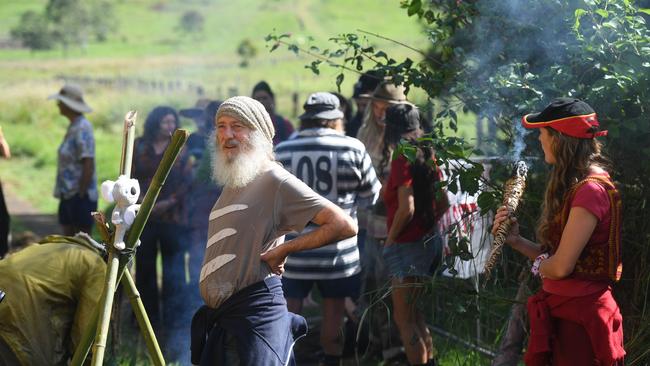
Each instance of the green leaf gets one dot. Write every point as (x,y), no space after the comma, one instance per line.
(414,8)
(456,151)
(603,13)
(339,80)
(486,201)
(381,54)
(577,15)
(468,182)
(644,10)
(429,16)
(409,152)
(359,63)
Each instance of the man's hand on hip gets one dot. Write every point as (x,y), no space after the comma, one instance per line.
(275,258)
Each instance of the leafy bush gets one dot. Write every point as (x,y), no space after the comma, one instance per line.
(502,59)
(33,32)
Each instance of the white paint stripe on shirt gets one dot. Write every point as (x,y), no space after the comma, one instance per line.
(221,234)
(215,264)
(226,210)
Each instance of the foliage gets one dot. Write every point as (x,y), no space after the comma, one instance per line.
(74,21)
(33,31)
(247,51)
(503,58)
(65,22)
(191,22)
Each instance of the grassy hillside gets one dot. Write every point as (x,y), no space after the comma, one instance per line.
(147,48)
(148,62)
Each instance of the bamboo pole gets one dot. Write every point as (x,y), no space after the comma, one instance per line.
(143,320)
(106,305)
(127,142)
(171,153)
(112,271)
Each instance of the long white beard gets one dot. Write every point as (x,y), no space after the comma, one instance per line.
(243,168)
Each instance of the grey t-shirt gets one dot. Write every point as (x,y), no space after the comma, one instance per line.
(248,221)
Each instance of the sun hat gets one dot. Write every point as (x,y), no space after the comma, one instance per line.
(569,116)
(321,105)
(387,91)
(195,112)
(249,112)
(72,96)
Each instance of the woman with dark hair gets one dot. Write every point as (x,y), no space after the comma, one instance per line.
(165,226)
(413,246)
(283,128)
(346,108)
(574,319)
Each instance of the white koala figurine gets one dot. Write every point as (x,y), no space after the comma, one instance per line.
(124,192)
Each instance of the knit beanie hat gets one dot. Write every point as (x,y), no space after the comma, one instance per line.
(250,112)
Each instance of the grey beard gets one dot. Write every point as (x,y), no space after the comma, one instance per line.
(245,166)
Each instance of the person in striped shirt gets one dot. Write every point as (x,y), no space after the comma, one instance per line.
(338,168)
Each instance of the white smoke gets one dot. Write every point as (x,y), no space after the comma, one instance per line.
(518,142)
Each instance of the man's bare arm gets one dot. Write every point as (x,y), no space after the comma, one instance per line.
(334,225)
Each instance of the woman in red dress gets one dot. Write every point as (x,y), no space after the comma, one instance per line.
(574,318)
(413,247)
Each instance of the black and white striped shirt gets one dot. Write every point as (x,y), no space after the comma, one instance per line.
(338,168)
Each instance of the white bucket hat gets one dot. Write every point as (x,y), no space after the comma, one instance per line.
(72,96)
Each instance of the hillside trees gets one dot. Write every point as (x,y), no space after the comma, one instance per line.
(65,23)
(33,31)
(191,23)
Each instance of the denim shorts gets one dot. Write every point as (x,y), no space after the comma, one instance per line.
(75,211)
(414,259)
(332,289)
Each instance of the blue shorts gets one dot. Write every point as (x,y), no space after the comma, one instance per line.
(414,259)
(75,211)
(332,289)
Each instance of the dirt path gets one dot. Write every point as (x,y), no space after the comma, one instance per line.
(24,216)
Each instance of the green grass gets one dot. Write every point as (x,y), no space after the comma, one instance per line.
(149,27)
(147,46)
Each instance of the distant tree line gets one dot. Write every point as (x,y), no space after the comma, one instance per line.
(65,23)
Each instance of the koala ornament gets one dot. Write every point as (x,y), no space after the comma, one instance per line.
(124,192)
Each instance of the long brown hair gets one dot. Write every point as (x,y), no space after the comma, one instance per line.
(574,158)
(425,175)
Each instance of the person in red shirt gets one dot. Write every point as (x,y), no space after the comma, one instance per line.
(574,319)
(413,246)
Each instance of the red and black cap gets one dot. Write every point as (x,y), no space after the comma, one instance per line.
(569,116)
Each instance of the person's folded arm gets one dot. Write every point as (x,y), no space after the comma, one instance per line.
(575,236)
(333,225)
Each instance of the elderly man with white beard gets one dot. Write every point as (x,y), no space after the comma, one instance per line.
(245,320)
